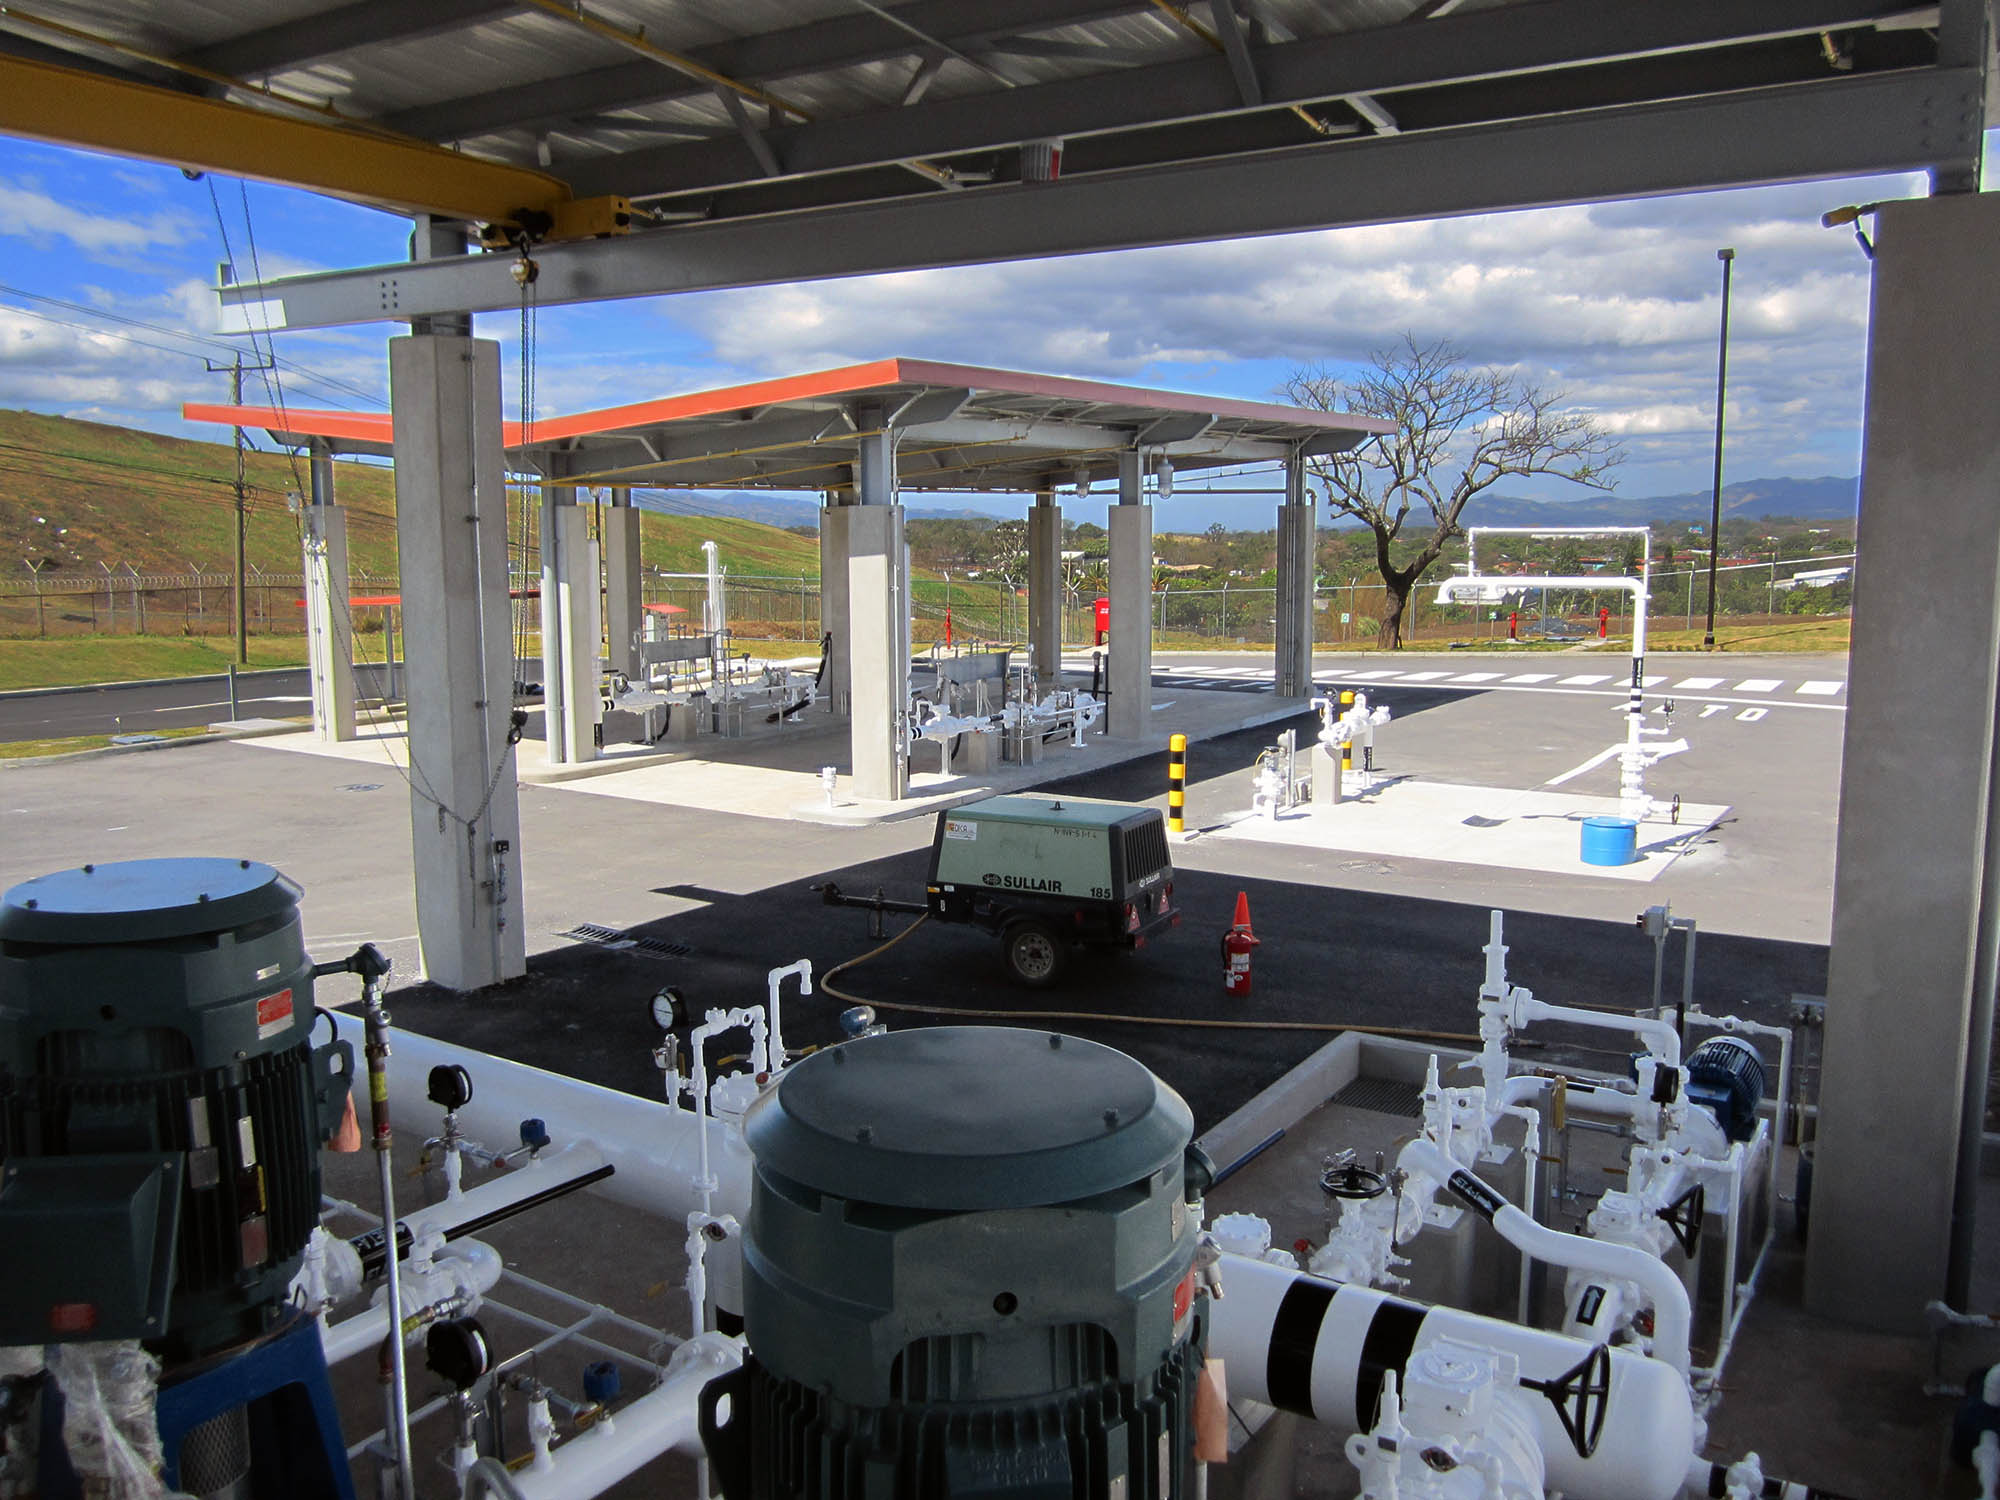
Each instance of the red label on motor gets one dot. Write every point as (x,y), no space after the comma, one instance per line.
(72,1317)
(274,1014)
(1183,1298)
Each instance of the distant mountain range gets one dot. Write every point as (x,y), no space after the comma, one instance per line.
(1828,498)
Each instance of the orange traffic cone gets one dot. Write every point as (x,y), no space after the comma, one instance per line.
(1242,911)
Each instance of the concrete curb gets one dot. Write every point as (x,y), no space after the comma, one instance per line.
(254,729)
(145,682)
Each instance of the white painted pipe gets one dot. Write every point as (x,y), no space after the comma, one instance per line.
(618,1445)
(465,1268)
(655,1147)
(1673,1317)
(1660,1037)
(772,1007)
(1321,1349)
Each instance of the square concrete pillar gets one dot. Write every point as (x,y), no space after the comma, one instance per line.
(833,614)
(577,601)
(879,666)
(1130,711)
(329,625)
(451,536)
(555,672)
(1045,590)
(1908,1014)
(1298,537)
(624,586)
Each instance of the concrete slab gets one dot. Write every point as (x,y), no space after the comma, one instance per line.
(1402,816)
(776,774)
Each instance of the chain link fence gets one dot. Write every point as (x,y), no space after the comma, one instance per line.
(787,608)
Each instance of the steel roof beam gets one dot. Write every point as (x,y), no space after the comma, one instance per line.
(821,46)
(1480,45)
(366,23)
(1890,122)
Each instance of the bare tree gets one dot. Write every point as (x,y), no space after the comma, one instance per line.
(1459,430)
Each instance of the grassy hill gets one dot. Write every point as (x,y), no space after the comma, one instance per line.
(76,494)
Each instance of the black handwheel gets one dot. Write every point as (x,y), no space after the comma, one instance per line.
(1034,953)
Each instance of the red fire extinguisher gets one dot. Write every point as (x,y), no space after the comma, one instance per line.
(1236,946)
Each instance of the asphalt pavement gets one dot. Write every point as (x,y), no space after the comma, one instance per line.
(135,708)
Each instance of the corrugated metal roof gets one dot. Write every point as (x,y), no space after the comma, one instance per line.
(523,85)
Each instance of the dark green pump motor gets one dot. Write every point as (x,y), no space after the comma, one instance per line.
(162,1103)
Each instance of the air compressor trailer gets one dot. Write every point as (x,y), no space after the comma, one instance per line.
(1048,873)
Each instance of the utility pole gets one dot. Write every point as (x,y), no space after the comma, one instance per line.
(224,275)
(1728,259)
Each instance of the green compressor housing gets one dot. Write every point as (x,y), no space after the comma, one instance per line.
(968,1272)
(162,1103)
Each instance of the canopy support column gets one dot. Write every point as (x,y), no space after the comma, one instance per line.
(329,624)
(451,533)
(1298,536)
(1130,711)
(1045,590)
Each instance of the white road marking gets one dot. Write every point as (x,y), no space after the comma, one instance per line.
(1425,676)
(1651,681)
(1584,681)
(1695,684)
(1715,708)
(1371,676)
(1477,677)
(1751,715)
(1821,689)
(1590,765)
(1758,685)
(1534,677)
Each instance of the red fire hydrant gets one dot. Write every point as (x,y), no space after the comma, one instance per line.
(1603,622)
(1236,946)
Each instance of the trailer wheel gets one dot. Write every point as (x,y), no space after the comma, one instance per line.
(1034,953)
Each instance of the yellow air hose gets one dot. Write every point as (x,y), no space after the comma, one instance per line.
(826,984)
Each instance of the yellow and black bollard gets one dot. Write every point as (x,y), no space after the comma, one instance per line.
(1177,784)
(1346,745)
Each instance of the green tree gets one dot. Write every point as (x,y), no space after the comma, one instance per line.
(1459,430)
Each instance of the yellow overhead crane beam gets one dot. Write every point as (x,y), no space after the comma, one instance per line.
(68,107)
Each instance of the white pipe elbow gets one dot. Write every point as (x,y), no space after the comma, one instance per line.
(1673,1317)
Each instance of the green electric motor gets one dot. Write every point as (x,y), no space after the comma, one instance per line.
(162,1103)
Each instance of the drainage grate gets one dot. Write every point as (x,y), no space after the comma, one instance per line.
(612,937)
(1382,1096)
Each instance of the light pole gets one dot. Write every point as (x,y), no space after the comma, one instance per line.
(1728,259)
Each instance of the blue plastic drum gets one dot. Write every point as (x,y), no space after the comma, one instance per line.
(1610,841)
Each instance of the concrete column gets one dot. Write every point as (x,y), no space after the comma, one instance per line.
(451,535)
(555,655)
(1298,536)
(624,588)
(329,625)
(837,689)
(1045,589)
(879,665)
(1908,1015)
(577,600)
(1131,673)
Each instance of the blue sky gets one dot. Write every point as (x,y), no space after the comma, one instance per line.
(1615,304)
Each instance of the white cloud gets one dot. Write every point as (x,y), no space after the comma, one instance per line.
(28,213)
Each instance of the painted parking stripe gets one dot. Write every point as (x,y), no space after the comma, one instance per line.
(1759,685)
(1477,677)
(1821,689)
(1372,676)
(1425,676)
(1652,682)
(1534,677)
(1584,681)
(1695,684)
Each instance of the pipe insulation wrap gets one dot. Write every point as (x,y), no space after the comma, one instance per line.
(1320,1349)
(655,1146)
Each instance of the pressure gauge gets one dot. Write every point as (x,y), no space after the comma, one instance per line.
(668,1008)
